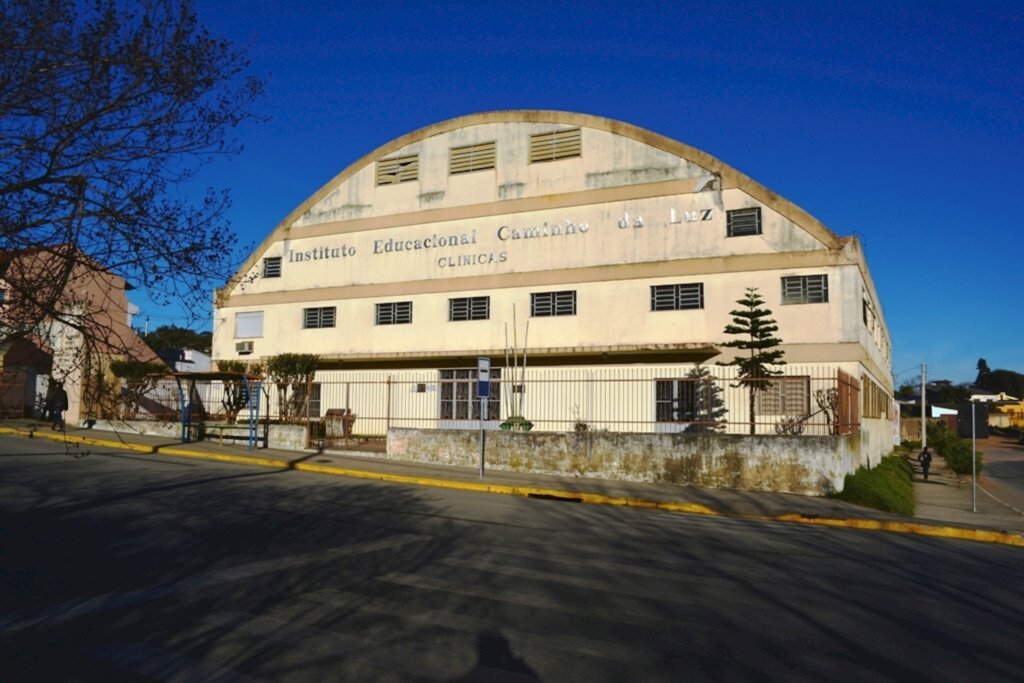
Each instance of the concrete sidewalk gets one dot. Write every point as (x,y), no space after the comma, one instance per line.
(943,506)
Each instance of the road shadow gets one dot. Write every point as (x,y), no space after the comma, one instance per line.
(496,662)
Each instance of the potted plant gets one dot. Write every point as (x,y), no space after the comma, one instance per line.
(517,423)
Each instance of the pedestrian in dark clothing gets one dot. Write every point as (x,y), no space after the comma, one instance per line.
(926,461)
(58,404)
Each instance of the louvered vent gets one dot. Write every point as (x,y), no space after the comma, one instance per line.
(558,144)
(741,222)
(471,158)
(398,170)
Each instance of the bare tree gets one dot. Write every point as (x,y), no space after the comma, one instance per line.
(105,108)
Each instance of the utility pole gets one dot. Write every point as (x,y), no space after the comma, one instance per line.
(974,458)
(924,412)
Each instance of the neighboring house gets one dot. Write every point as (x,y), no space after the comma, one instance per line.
(1008,414)
(625,250)
(1001,397)
(186,360)
(91,326)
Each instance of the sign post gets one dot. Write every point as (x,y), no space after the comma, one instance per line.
(483,391)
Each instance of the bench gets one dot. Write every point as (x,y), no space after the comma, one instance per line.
(233,431)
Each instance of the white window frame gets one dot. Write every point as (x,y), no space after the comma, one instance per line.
(804,289)
(249,325)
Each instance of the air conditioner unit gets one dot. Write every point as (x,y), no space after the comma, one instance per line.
(243,348)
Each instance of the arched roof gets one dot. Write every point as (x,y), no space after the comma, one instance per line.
(731,178)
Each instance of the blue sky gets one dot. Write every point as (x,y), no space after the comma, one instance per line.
(901,123)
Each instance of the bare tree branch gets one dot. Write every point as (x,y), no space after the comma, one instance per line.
(105,107)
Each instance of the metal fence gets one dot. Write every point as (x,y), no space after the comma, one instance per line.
(660,399)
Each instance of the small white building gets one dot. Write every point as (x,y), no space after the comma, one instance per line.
(1001,397)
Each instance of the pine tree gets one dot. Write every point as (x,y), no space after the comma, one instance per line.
(709,409)
(754,330)
(983,373)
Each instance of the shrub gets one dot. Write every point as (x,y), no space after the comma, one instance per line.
(886,487)
(954,450)
(958,456)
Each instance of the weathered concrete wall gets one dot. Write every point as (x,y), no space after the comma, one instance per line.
(287,437)
(807,465)
(147,427)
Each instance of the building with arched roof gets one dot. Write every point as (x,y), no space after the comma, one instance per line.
(621,250)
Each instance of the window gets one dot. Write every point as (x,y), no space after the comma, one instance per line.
(469,308)
(272,266)
(558,144)
(471,158)
(741,222)
(458,395)
(313,318)
(398,170)
(248,325)
(314,399)
(683,400)
(544,304)
(805,289)
(298,399)
(677,297)
(394,313)
(785,396)
(875,402)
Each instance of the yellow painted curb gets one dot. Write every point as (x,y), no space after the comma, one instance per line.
(980,535)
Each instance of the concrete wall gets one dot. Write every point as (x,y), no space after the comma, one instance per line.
(286,437)
(803,465)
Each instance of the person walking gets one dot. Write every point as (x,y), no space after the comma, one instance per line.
(58,404)
(926,461)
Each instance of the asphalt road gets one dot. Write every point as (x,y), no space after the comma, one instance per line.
(1003,470)
(117,566)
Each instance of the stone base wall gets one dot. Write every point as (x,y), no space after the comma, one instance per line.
(808,465)
(284,436)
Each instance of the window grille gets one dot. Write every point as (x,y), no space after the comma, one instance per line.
(544,304)
(398,170)
(805,289)
(469,308)
(459,400)
(313,318)
(677,297)
(558,144)
(471,158)
(742,222)
(272,266)
(785,396)
(394,313)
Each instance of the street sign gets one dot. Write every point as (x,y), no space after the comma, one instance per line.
(483,377)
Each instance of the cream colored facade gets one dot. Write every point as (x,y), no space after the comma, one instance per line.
(622,211)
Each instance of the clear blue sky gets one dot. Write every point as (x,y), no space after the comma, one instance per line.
(901,123)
